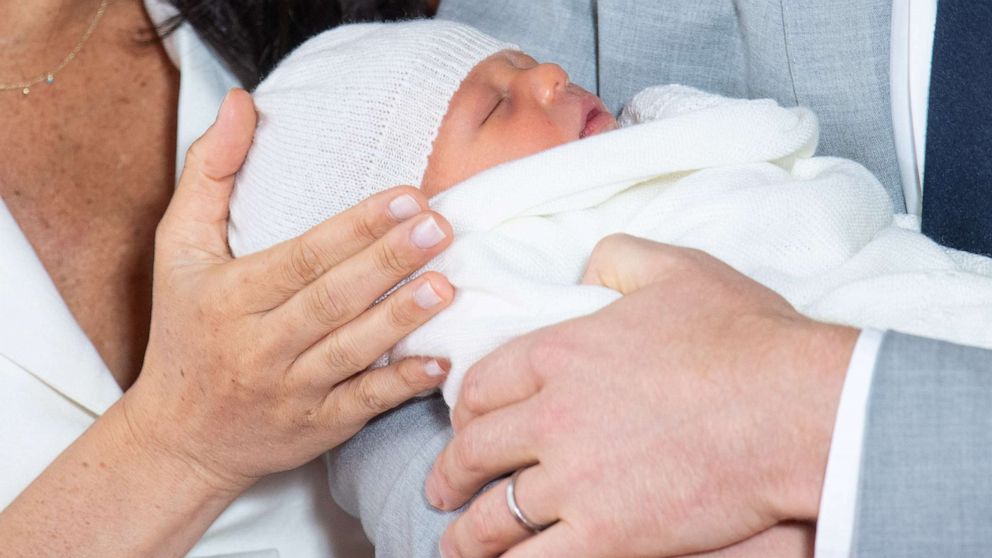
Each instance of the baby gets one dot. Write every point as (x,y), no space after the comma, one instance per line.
(426,103)
(366,107)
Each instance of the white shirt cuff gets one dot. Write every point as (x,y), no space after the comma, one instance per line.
(839,500)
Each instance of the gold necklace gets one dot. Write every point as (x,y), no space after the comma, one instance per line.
(49,77)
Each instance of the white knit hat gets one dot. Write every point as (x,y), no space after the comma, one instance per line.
(351,112)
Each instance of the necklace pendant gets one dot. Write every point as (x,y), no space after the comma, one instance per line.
(50,79)
(25,91)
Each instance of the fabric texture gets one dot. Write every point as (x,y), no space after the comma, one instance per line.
(830,56)
(351,112)
(925,479)
(957,210)
(734,178)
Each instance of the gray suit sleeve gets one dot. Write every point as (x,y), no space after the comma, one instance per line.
(926,474)
(378,476)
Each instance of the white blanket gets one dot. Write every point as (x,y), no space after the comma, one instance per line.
(735,178)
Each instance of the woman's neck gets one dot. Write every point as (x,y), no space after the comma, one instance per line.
(29,30)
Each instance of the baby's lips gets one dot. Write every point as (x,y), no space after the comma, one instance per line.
(598,121)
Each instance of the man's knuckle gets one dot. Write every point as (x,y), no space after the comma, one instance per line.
(550,421)
(444,470)
(587,533)
(471,395)
(465,451)
(550,351)
(484,523)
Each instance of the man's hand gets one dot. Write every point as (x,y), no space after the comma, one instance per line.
(693,413)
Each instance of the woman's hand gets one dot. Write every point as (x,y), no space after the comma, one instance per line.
(692,414)
(255,365)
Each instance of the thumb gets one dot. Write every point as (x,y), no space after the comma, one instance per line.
(627,263)
(196,220)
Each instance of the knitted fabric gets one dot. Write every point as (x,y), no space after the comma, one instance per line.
(734,178)
(352,112)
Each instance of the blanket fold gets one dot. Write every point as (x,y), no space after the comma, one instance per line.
(735,178)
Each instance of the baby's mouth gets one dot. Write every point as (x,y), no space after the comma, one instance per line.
(597,120)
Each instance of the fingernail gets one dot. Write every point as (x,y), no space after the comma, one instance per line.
(431,493)
(403,207)
(433,369)
(427,234)
(425,296)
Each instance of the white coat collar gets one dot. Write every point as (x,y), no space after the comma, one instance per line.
(37,330)
(39,334)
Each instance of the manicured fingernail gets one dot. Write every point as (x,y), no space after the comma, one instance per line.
(427,234)
(403,207)
(433,369)
(425,296)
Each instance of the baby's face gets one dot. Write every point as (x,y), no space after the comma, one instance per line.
(509,107)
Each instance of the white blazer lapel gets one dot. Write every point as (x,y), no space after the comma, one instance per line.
(39,333)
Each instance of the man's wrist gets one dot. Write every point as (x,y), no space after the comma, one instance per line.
(821,354)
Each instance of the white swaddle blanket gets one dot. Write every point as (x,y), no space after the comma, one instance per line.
(735,178)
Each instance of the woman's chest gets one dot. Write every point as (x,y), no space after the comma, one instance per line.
(87,172)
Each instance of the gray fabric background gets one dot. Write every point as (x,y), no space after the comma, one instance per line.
(926,488)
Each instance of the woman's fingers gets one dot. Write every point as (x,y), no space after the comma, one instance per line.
(488,528)
(194,228)
(349,288)
(355,346)
(288,267)
(488,447)
(373,392)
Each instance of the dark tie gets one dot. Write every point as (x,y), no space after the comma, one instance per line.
(957,183)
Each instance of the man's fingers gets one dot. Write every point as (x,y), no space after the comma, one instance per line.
(288,267)
(627,263)
(371,393)
(488,528)
(348,289)
(358,344)
(488,447)
(558,540)
(504,377)
(195,225)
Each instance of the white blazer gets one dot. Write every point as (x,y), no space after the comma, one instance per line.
(53,383)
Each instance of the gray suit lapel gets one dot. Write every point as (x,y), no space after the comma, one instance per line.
(643,43)
(839,57)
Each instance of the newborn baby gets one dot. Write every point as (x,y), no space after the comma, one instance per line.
(509,107)
(365,107)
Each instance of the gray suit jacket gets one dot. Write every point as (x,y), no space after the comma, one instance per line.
(928,444)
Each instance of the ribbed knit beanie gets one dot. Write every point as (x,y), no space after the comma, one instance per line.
(351,112)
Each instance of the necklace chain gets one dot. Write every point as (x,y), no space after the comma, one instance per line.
(49,77)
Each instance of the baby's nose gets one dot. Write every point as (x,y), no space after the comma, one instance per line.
(547,80)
